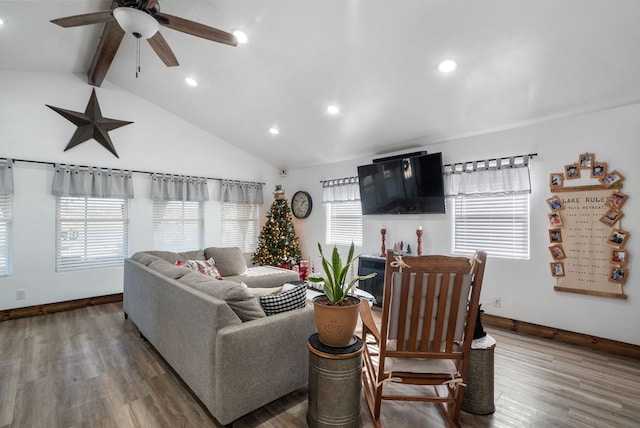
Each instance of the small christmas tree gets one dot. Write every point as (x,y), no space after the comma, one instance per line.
(277,242)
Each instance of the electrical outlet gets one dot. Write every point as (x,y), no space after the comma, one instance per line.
(498,302)
(21,294)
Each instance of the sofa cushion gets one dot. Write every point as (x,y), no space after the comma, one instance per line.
(144,257)
(229,260)
(258,292)
(295,298)
(192,255)
(265,276)
(168,269)
(205,267)
(168,256)
(240,300)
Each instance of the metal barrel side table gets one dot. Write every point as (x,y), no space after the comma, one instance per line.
(335,376)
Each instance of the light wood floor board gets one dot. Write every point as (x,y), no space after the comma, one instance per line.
(89,368)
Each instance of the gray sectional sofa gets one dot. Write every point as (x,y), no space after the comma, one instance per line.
(214,333)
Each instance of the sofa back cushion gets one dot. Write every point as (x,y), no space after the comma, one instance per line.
(239,298)
(168,269)
(172,257)
(229,260)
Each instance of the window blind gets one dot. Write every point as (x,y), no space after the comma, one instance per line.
(178,225)
(6,228)
(498,225)
(344,223)
(90,232)
(240,224)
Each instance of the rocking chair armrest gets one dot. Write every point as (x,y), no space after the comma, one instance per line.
(367,320)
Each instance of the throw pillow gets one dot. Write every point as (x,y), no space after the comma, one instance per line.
(229,260)
(206,267)
(295,298)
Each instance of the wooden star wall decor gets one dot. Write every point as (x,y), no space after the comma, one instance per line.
(91,124)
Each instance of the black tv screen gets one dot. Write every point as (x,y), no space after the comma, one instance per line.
(403,186)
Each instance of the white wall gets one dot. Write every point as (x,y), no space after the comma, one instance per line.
(526,287)
(157,141)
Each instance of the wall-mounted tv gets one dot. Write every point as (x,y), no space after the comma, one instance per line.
(409,185)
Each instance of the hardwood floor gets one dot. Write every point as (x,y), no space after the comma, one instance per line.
(89,368)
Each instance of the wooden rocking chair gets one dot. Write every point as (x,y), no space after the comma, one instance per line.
(428,317)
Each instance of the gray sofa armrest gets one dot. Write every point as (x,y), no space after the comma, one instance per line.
(269,356)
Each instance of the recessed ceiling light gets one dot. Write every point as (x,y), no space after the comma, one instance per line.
(447,66)
(191,81)
(332,109)
(274,131)
(241,37)
(1,21)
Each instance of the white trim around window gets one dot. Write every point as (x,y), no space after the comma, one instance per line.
(178,225)
(6,231)
(240,224)
(498,225)
(344,223)
(91,232)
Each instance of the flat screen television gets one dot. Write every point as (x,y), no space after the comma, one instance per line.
(412,185)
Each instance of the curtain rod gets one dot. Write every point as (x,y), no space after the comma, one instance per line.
(132,170)
(530,155)
(355,177)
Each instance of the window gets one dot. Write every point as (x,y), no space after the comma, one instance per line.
(344,223)
(178,225)
(91,232)
(5,234)
(240,224)
(498,225)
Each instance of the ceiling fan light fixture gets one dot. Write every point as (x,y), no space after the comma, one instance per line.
(241,37)
(136,22)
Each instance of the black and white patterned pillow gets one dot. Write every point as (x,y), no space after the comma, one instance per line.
(295,298)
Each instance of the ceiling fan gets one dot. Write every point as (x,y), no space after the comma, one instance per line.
(142,18)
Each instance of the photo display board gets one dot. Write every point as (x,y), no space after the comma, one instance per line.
(586,238)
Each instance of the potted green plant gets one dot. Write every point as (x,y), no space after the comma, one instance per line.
(336,311)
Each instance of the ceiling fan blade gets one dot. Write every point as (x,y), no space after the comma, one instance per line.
(162,49)
(110,40)
(196,29)
(84,19)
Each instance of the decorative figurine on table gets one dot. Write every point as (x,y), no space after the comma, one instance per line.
(419,234)
(408,248)
(383,232)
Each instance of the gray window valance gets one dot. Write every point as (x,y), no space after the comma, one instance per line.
(240,192)
(6,176)
(340,190)
(494,177)
(91,182)
(166,187)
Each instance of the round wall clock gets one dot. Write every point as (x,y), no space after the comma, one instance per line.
(301,204)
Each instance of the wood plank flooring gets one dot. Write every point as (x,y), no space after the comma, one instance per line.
(89,368)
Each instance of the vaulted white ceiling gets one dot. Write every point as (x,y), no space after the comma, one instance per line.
(518,62)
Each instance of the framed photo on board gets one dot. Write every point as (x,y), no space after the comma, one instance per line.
(557,252)
(555,235)
(618,275)
(572,171)
(616,200)
(599,169)
(554,219)
(557,268)
(555,203)
(619,256)
(586,160)
(611,217)
(618,237)
(556,179)
(611,178)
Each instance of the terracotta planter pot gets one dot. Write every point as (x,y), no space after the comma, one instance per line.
(336,323)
